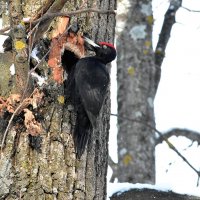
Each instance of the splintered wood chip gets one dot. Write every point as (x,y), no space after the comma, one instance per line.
(33,127)
(60,41)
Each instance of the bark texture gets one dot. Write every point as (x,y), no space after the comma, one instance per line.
(52,171)
(137,84)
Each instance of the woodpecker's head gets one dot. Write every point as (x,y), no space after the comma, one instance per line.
(104,51)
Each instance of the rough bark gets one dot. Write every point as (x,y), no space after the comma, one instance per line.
(52,171)
(136,91)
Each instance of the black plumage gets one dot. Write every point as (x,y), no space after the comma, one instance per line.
(86,87)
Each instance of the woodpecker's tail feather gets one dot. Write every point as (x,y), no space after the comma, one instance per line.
(82,131)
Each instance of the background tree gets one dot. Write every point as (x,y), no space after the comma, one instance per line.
(38,160)
(138,75)
(137,83)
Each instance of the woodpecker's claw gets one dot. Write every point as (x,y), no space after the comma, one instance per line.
(89,41)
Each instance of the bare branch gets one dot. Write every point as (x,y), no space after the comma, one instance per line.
(190,9)
(192,135)
(171,146)
(114,167)
(69,14)
(49,15)
(169,21)
(164,36)
(49,7)
(44,8)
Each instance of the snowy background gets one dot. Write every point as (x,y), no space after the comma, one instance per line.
(177,103)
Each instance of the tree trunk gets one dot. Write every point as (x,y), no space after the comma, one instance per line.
(50,170)
(137,84)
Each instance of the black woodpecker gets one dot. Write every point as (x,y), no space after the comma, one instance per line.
(86,87)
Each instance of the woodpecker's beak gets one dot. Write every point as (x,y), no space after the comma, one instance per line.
(91,42)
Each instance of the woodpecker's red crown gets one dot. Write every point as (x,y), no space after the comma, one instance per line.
(107,44)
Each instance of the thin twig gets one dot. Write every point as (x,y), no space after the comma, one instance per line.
(66,14)
(76,12)
(29,58)
(190,9)
(192,135)
(31,41)
(171,146)
(114,167)
(198,181)
(164,36)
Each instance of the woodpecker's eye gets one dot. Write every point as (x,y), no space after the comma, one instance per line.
(104,47)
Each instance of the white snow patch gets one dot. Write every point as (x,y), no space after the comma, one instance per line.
(2,38)
(34,54)
(40,80)
(12,69)
(138,32)
(123,187)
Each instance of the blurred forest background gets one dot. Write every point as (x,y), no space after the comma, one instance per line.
(176,102)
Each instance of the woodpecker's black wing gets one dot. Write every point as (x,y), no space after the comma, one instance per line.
(92,80)
(82,128)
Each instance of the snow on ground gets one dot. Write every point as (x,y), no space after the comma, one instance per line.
(123,187)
